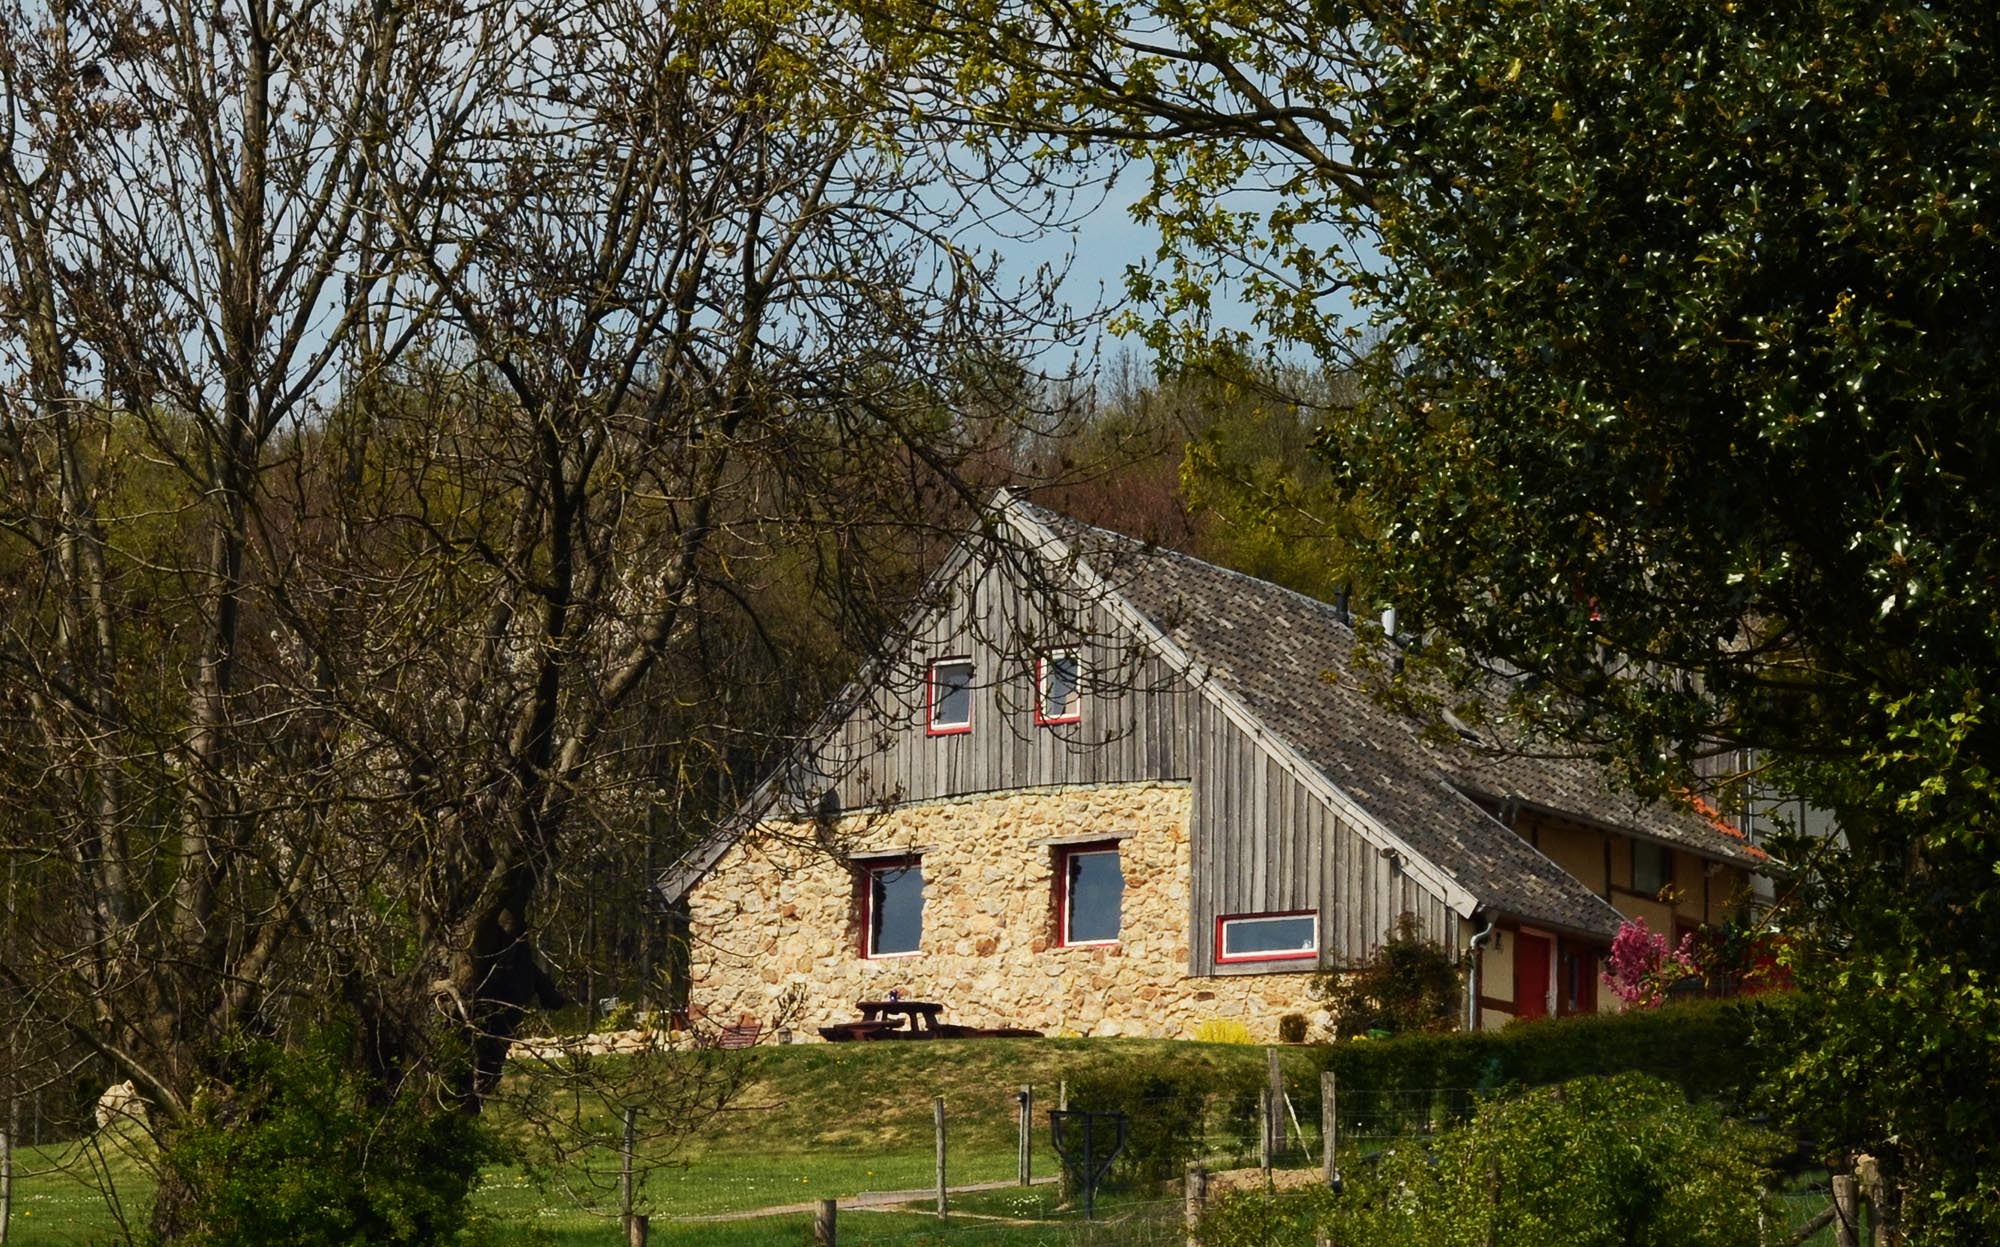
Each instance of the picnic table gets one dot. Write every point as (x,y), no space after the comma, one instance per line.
(919,1017)
(908,1019)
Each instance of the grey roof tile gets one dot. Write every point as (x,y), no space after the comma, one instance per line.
(1289,658)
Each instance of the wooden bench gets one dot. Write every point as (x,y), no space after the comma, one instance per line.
(742,1035)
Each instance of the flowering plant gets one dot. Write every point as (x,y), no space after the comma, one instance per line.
(1643,966)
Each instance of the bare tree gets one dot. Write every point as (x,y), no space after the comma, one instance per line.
(408,408)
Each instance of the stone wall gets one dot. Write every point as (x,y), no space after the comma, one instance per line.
(777,918)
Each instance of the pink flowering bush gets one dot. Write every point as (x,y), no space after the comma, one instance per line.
(1642,967)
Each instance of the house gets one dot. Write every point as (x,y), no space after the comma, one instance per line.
(1103,788)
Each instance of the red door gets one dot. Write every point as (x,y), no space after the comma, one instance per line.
(1531,976)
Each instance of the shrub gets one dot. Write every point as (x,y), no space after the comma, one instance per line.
(1222,1030)
(1702,1047)
(299,1149)
(1598,1162)
(1253,1219)
(1168,1107)
(1409,985)
(1292,1028)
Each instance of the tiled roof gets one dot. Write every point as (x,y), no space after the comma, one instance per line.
(1289,659)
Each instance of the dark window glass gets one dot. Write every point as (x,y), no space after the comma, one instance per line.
(1061,698)
(951,693)
(895,908)
(1652,867)
(1094,889)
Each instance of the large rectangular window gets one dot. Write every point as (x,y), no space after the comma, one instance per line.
(1058,688)
(1090,892)
(892,901)
(948,697)
(1267,937)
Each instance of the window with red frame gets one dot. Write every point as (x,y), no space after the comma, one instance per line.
(892,906)
(1090,892)
(1058,688)
(948,697)
(1267,937)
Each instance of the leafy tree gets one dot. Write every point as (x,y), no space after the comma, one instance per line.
(1684,412)
(1216,458)
(1680,421)
(410,416)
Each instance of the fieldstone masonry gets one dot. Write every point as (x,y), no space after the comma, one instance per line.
(776,917)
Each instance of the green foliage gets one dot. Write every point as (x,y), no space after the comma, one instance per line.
(300,1149)
(1409,985)
(1689,323)
(1610,1162)
(1704,1048)
(1170,1107)
(1252,1219)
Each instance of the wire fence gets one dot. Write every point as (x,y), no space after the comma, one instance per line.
(756,1176)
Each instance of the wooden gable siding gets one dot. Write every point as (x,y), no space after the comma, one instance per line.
(1134,709)
(1263,843)
(1260,840)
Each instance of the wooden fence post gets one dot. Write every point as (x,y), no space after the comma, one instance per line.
(625,1161)
(1197,1199)
(1026,1099)
(1329,1126)
(937,1117)
(1275,1078)
(1265,1116)
(1881,1201)
(825,1233)
(1845,1211)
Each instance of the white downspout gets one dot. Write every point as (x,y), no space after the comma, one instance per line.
(1472,975)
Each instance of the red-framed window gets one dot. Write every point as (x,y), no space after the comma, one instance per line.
(1090,893)
(891,896)
(1289,936)
(948,697)
(1059,687)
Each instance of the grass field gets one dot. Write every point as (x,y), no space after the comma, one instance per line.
(810,1121)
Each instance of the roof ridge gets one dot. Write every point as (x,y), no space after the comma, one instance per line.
(1333,612)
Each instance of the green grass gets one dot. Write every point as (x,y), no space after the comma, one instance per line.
(73,1195)
(811,1121)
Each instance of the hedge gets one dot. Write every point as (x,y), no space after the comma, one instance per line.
(1704,1047)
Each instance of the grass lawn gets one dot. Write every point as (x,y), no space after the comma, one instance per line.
(811,1121)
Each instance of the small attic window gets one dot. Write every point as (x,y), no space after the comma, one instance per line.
(948,697)
(1058,688)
